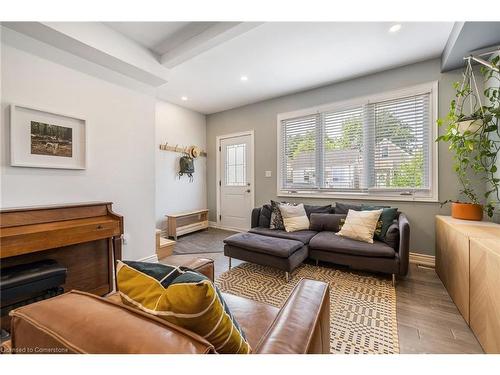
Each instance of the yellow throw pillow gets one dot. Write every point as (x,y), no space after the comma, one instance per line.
(294,217)
(360,225)
(183,297)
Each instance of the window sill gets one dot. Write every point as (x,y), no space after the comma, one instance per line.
(360,196)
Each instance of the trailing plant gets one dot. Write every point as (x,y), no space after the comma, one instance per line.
(473,135)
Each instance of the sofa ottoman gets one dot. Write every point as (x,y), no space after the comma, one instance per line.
(280,253)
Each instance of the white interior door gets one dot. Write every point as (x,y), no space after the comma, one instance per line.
(236,182)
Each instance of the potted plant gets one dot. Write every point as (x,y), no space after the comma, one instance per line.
(474,139)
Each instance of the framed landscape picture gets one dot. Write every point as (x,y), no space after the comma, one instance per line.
(43,139)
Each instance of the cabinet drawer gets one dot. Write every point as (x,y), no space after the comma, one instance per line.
(48,239)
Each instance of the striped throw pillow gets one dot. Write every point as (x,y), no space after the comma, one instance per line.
(183,297)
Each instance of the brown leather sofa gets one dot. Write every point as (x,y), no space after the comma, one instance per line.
(78,322)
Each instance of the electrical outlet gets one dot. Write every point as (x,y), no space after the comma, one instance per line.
(125,238)
(268,173)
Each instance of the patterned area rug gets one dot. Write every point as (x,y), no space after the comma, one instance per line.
(362,308)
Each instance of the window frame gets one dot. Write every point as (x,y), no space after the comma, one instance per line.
(417,195)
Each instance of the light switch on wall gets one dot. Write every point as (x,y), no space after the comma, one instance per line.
(268,173)
(125,238)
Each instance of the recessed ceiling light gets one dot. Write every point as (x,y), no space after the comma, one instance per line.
(184,98)
(244,78)
(395,28)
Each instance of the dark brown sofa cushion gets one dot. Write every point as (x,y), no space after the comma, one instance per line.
(265,216)
(343,208)
(317,209)
(392,235)
(329,241)
(303,236)
(278,247)
(326,222)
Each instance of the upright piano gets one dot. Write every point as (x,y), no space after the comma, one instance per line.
(85,238)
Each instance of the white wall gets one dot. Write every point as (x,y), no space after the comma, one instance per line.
(177,125)
(121,143)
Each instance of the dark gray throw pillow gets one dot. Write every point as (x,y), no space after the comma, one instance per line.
(343,208)
(317,209)
(265,216)
(326,222)
(392,235)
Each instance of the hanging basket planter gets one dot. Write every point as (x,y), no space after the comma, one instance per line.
(470,124)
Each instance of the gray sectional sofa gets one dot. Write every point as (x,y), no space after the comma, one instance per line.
(287,250)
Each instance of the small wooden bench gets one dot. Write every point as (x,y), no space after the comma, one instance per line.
(186,222)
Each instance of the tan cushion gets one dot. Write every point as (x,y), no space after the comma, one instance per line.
(254,317)
(78,322)
(294,217)
(360,225)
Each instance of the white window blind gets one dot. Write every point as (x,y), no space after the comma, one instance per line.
(400,139)
(299,144)
(372,147)
(343,149)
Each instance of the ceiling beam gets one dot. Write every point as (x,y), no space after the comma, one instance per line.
(99,44)
(465,38)
(207,39)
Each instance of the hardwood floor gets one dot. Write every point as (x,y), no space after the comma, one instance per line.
(428,320)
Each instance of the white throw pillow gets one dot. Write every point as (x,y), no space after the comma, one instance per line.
(360,225)
(294,217)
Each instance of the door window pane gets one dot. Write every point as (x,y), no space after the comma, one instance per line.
(236,165)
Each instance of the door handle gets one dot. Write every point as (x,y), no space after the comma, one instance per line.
(248,190)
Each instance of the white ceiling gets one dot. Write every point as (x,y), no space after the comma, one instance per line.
(204,61)
(281,58)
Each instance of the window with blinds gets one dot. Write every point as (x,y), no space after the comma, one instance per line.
(400,143)
(300,146)
(343,149)
(380,145)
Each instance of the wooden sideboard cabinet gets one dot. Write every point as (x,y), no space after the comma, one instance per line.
(468,264)
(485,292)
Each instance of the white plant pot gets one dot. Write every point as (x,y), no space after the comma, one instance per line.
(470,125)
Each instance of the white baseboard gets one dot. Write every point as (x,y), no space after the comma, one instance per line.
(213,224)
(423,259)
(151,259)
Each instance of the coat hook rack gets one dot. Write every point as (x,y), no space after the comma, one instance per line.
(183,150)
